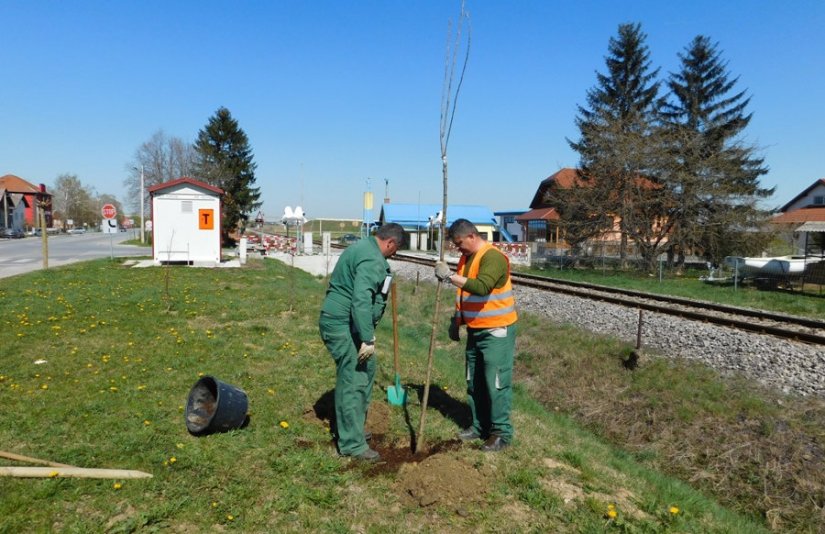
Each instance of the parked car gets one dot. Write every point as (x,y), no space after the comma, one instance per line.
(78,230)
(12,233)
(348,239)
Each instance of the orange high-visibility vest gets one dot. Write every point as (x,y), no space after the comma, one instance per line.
(485,311)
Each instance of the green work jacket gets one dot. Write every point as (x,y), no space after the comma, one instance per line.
(358,288)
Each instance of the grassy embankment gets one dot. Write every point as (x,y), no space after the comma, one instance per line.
(122,347)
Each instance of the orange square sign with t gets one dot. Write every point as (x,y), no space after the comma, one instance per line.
(206,219)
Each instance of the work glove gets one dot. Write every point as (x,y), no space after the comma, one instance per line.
(367,349)
(453,332)
(442,271)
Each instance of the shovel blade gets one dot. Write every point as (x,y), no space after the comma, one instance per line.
(396,395)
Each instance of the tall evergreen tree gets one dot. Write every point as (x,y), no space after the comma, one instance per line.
(714,173)
(224,159)
(617,145)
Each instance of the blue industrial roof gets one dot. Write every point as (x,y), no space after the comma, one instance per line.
(417,215)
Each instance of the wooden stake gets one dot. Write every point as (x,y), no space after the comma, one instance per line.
(419,441)
(69,472)
(21,458)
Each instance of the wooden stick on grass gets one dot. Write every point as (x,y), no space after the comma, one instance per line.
(21,458)
(69,472)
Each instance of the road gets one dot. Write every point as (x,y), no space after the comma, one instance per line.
(18,256)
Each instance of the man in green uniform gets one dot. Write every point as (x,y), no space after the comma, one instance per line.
(354,304)
(485,303)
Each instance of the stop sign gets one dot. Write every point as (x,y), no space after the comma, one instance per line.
(108,211)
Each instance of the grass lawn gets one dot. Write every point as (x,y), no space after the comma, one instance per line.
(121,348)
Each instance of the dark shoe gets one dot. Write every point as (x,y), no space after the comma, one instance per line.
(494,444)
(368,455)
(469,434)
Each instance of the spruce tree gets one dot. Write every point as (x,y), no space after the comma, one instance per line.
(224,159)
(617,145)
(714,173)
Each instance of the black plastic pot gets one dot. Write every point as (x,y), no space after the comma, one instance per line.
(215,406)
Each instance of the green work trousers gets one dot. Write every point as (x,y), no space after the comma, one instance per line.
(489,362)
(353,385)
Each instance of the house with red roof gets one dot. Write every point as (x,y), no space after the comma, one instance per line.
(21,201)
(805,216)
(543,222)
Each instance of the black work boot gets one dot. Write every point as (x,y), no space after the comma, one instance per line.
(494,444)
(368,455)
(469,434)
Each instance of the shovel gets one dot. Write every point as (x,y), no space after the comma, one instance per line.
(396,395)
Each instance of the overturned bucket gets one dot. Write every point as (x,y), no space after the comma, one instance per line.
(215,406)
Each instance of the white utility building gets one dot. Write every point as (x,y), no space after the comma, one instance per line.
(186,222)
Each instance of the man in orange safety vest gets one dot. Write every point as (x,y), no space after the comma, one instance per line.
(485,304)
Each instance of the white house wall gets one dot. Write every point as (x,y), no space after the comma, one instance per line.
(177,235)
(817,193)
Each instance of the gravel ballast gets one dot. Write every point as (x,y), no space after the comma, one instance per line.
(789,366)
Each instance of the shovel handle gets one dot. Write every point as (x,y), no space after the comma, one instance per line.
(394,299)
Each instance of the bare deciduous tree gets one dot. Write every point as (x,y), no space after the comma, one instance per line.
(449,97)
(71,200)
(161,159)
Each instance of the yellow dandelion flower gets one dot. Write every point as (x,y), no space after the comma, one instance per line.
(611,513)
(147,422)
(141,387)
(179,445)
(674,510)
(113,389)
(214,504)
(172,460)
(44,386)
(200,373)
(230,517)
(270,391)
(611,506)
(53,474)
(117,485)
(284,424)
(166,462)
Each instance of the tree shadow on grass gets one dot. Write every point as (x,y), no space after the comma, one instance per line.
(453,409)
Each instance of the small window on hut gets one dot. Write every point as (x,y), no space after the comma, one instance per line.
(186,206)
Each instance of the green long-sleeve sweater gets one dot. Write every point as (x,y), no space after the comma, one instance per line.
(357,291)
(492,273)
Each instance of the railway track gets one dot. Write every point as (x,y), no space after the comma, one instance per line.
(762,322)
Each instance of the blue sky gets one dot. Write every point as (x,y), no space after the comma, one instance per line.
(333,93)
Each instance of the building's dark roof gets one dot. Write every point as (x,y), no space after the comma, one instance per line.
(186,180)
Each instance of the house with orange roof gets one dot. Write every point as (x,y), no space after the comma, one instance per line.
(805,216)
(21,201)
(542,221)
